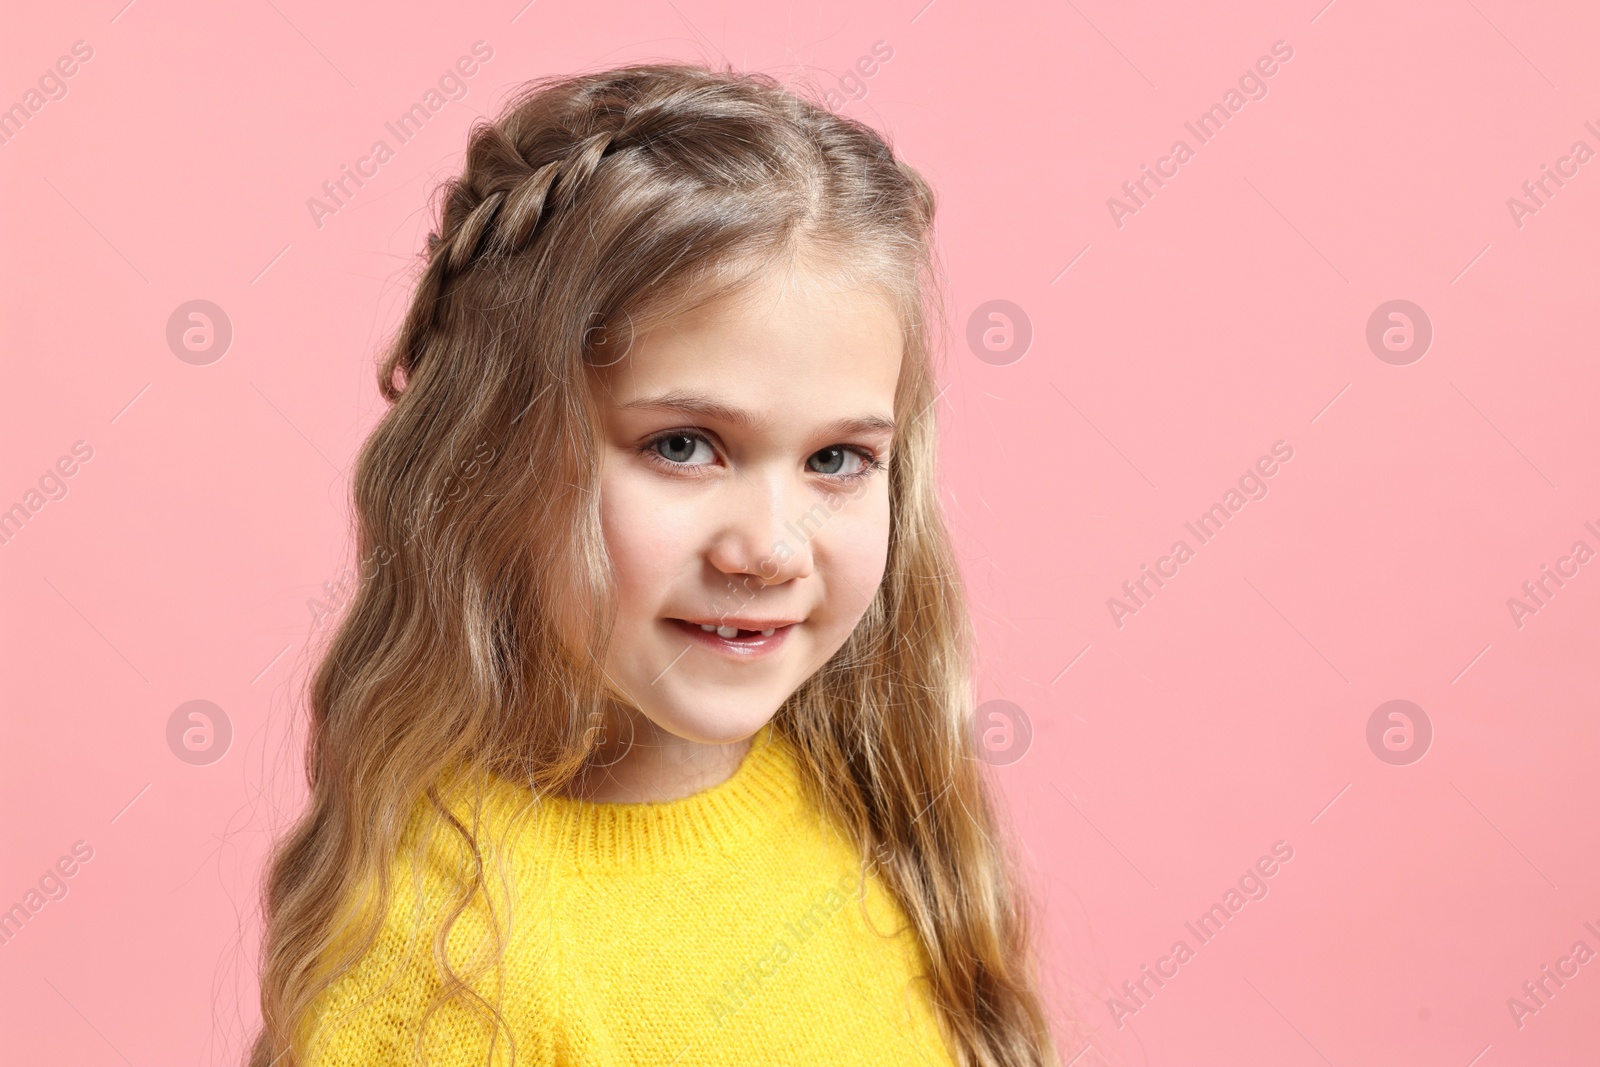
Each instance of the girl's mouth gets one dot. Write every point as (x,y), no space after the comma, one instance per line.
(732,641)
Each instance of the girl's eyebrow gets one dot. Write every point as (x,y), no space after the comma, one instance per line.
(705,407)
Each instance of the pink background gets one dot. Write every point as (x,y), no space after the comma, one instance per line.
(1227,314)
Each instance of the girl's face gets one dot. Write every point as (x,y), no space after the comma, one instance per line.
(744,484)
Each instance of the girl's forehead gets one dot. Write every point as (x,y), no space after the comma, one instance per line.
(779,338)
(774,300)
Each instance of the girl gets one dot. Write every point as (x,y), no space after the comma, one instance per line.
(650,744)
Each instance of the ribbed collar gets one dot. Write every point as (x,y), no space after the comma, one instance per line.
(593,835)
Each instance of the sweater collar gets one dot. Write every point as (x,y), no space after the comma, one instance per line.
(591,835)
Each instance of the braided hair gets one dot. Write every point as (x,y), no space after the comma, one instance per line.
(640,141)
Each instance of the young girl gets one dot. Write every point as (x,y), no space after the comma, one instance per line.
(649,742)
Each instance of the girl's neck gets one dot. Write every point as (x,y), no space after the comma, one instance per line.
(655,766)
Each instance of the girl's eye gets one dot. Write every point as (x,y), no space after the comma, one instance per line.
(836,458)
(680,447)
(677,449)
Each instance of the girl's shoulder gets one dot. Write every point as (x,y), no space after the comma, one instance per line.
(444,926)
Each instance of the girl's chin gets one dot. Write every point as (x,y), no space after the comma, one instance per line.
(709,726)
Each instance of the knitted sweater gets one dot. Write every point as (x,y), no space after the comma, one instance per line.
(735,927)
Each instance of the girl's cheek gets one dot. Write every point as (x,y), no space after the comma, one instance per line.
(859,545)
(644,530)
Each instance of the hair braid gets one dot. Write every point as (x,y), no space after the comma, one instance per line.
(518,172)
(499,224)
(504,222)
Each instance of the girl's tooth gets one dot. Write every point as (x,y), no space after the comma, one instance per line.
(769,633)
(727,631)
(707,628)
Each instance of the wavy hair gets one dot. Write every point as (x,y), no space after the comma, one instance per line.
(591,208)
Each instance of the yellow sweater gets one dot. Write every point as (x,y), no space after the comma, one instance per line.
(731,927)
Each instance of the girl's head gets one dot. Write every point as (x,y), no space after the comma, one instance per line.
(669,360)
(643,251)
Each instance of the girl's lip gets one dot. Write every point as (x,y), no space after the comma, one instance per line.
(737,647)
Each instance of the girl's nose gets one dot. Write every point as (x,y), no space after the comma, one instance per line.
(764,531)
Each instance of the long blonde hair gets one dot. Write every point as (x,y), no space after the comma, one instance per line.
(592,207)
